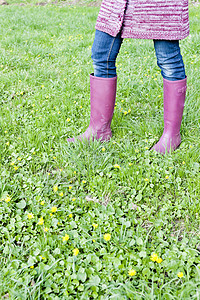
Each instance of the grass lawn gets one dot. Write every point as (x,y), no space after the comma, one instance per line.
(93,221)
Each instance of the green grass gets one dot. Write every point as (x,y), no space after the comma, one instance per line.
(149,204)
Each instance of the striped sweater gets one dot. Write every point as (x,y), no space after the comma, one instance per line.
(145,19)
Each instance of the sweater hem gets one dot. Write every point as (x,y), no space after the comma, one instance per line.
(143,35)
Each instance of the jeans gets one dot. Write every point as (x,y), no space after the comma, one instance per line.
(106,48)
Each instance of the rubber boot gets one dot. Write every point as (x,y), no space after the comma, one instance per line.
(174,100)
(102,103)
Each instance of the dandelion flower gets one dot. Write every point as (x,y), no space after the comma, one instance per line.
(83,181)
(73,199)
(180,274)
(103,149)
(159,260)
(70,215)
(61,194)
(32,267)
(54,209)
(116,166)
(65,238)
(131,272)
(41,221)
(7,199)
(30,216)
(75,251)
(107,237)
(95,225)
(42,202)
(154,257)
(55,188)
(46,229)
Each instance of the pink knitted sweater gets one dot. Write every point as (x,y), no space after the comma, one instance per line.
(145,19)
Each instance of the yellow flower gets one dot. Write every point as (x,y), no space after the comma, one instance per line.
(166,177)
(159,260)
(68,119)
(51,214)
(61,194)
(180,274)
(93,241)
(12,163)
(16,168)
(70,215)
(42,202)
(95,225)
(73,199)
(46,229)
(183,162)
(154,257)
(70,187)
(41,221)
(103,149)
(83,181)
(30,216)
(32,267)
(129,110)
(146,179)
(125,112)
(54,157)
(107,237)
(130,164)
(54,209)
(75,251)
(116,166)
(65,238)
(19,158)
(55,188)
(7,199)
(131,272)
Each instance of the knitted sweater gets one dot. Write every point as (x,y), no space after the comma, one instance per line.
(145,19)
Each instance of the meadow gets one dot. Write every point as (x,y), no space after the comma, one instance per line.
(94,220)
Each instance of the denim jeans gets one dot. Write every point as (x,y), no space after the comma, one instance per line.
(106,48)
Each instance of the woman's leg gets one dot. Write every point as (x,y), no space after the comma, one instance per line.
(170,61)
(103,85)
(104,53)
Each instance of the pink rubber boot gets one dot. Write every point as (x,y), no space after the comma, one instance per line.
(174,100)
(102,102)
